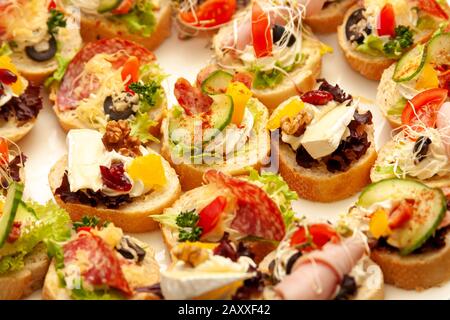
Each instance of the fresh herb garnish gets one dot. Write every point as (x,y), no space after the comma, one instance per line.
(140,127)
(402,40)
(148,92)
(87,221)
(56,20)
(187,223)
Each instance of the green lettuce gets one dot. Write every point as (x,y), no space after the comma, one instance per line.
(140,127)
(372,46)
(140,19)
(60,71)
(397,109)
(5,49)
(107,294)
(11,263)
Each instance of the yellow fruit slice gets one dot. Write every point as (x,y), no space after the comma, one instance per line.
(149,169)
(240,95)
(428,78)
(19,86)
(290,110)
(379,224)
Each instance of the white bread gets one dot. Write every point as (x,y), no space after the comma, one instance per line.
(131,217)
(329,18)
(415,271)
(12,131)
(191,175)
(94,28)
(318,184)
(52,289)
(19,284)
(370,67)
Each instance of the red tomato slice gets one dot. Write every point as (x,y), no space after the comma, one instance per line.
(261,32)
(319,233)
(130,71)
(386,24)
(4,151)
(401,214)
(87,229)
(51,5)
(424,107)
(124,7)
(211,13)
(433,8)
(210,215)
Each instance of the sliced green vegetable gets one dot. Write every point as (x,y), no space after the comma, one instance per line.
(108,5)
(217,82)
(12,203)
(410,64)
(438,50)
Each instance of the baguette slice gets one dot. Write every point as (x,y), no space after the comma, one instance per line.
(131,217)
(14,131)
(370,67)
(318,184)
(329,18)
(415,271)
(191,175)
(52,289)
(94,28)
(19,284)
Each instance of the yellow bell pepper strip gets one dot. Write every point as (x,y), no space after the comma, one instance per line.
(149,169)
(290,110)
(19,86)
(240,95)
(428,78)
(379,224)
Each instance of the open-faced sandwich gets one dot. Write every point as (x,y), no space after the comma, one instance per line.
(268,42)
(12,164)
(326,147)
(20,102)
(112,176)
(425,67)
(27,231)
(101,263)
(39,37)
(376,33)
(408,227)
(316,261)
(324,16)
(254,209)
(421,150)
(112,79)
(147,22)
(218,130)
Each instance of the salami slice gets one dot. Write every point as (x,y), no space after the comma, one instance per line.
(257,214)
(192,99)
(70,93)
(104,267)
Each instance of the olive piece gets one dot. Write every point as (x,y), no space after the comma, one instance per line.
(130,250)
(354,31)
(347,288)
(291,261)
(277,34)
(45,55)
(420,148)
(114,114)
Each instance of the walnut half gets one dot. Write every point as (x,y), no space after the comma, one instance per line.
(117,137)
(297,125)
(190,254)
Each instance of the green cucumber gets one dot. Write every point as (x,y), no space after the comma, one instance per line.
(217,82)
(219,118)
(108,5)
(438,50)
(12,202)
(429,210)
(410,64)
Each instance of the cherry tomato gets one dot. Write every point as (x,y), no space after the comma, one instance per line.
(210,215)
(87,229)
(210,13)
(261,32)
(433,8)
(401,214)
(319,233)
(130,71)
(4,151)
(386,24)
(124,7)
(51,5)
(424,107)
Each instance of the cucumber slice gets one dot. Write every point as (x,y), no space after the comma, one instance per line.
(410,64)
(219,118)
(108,5)
(430,208)
(217,82)
(12,203)
(25,213)
(438,50)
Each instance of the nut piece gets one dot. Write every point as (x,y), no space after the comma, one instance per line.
(190,254)
(117,137)
(296,126)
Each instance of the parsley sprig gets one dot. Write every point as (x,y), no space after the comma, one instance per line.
(56,20)
(148,92)
(402,40)
(187,223)
(87,221)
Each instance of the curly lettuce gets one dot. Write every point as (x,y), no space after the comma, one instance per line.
(141,19)
(57,76)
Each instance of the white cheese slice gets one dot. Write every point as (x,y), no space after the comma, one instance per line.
(323,137)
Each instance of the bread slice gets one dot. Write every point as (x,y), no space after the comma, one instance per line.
(191,175)
(94,28)
(415,271)
(52,289)
(329,18)
(370,67)
(131,217)
(19,284)
(14,131)
(318,184)
(388,96)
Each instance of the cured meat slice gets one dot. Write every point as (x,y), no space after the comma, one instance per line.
(192,99)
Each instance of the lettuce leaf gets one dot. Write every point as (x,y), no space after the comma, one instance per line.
(11,263)
(60,71)
(140,19)
(82,294)
(397,109)
(5,49)
(140,126)
(372,46)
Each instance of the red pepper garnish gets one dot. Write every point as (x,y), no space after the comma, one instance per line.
(15,232)
(51,5)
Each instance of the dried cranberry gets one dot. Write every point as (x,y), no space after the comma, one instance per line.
(225,248)
(114,177)
(317,97)
(7,77)
(15,232)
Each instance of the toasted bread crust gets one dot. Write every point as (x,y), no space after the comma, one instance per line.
(416,271)
(327,20)
(370,67)
(12,131)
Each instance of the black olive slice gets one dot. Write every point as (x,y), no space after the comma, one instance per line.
(291,261)
(421,148)
(277,34)
(129,246)
(108,108)
(353,33)
(45,55)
